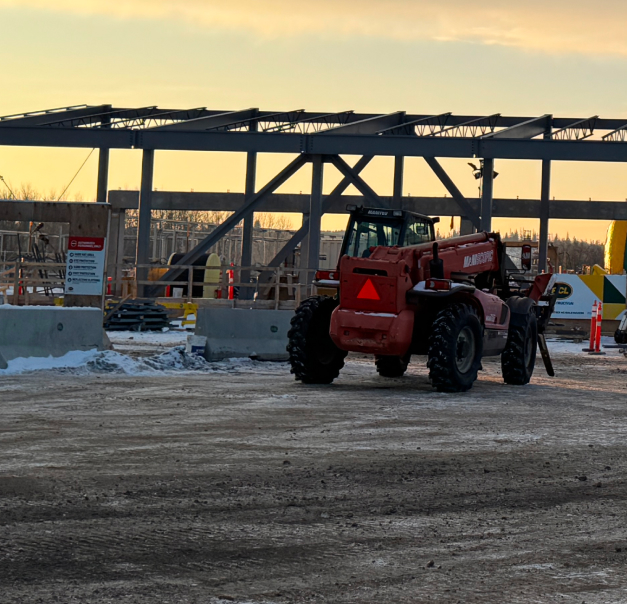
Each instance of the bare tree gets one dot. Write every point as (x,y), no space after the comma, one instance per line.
(269,220)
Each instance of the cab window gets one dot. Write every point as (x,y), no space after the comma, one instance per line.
(365,234)
(417,232)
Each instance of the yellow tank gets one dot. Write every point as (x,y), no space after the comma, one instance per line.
(212,273)
(615,248)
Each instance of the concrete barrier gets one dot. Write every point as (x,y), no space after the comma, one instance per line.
(43,331)
(238,332)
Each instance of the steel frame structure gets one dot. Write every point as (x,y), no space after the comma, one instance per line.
(322,138)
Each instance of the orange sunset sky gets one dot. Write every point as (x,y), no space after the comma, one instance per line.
(420,56)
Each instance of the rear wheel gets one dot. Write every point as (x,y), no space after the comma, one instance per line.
(519,357)
(314,357)
(392,367)
(455,349)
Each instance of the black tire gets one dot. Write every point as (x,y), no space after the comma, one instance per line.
(392,367)
(455,348)
(314,357)
(519,357)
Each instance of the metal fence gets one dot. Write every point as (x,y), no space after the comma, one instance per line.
(23,283)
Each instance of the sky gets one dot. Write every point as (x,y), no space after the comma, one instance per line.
(420,56)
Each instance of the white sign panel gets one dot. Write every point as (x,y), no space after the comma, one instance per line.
(575,296)
(574,299)
(85,266)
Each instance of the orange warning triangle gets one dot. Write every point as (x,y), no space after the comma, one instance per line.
(368,292)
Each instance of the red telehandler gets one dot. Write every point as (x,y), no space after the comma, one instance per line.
(402,293)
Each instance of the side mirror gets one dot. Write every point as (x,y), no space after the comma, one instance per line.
(436,220)
(526,257)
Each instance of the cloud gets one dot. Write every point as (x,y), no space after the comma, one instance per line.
(553,26)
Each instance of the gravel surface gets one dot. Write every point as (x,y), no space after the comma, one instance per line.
(247,487)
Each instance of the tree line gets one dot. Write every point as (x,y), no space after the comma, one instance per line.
(263,220)
(573,254)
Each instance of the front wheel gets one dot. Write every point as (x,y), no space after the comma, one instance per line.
(455,348)
(314,357)
(519,357)
(392,367)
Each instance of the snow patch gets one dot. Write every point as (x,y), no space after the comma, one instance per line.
(568,347)
(109,361)
(49,308)
(76,358)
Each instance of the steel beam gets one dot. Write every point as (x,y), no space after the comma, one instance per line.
(289,117)
(22,136)
(420,127)
(141,118)
(316,123)
(319,144)
(201,202)
(618,135)
(233,220)
(368,126)
(471,127)
(334,198)
(142,255)
(579,130)
(40,118)
(357,181)
(336,204)
(467,210)
(487,193)
(526,129)
(207,122)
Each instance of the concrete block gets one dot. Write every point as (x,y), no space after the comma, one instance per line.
(237,332)
(43,331)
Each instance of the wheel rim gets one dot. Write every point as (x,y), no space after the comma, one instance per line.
(465,350)
(325,350)
(326,355)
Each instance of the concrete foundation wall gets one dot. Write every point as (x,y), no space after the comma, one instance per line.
(39,331)
(235,332)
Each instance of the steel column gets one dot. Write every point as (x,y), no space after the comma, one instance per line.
(304,248)
(487,193)
(103,163)
(466,227)
(543,243)
(248,224)
(142,255)
(315,216)
(399,169)
(103,175)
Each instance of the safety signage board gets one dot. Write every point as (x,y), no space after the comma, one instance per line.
(85,266)
(577,293)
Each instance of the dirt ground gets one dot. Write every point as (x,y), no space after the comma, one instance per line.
(247,487)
